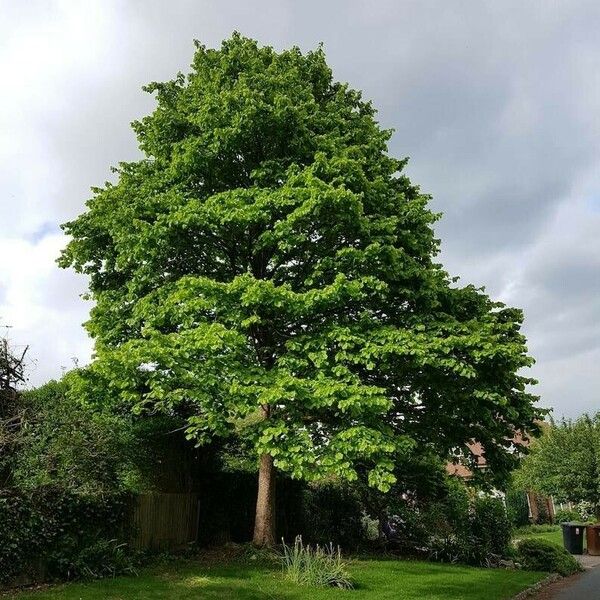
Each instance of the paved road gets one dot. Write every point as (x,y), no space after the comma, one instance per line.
(583,587)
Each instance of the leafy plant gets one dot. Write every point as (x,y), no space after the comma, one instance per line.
(587,511)
(565,515)
(315,566)
(564,462)
(541,555)
(517,507)
(489,525)
(52,533)
(69,445)
(100,558)
(267,271)
(461,528)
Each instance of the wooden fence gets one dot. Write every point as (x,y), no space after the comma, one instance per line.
(165,521)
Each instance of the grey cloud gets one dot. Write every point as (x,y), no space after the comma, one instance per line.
(496,103)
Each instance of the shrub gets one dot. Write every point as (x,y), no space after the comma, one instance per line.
(318,566)
(541,555)
(565,515)
(475,531)
(332,513)
(50,533)
(517,507)
(489,525)
(586,511)
(101,558)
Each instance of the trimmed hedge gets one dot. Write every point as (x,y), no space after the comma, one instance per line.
(541,555)
(51,534)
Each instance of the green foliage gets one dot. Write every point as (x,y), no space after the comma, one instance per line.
(517,507)
(565,462)
(430,526)
(490,526)
(65,443)
(55,534)
(461,528)
(98,559)
(332,513)
(588,511)
(253,579)
(458,526)
(541,555)
(267,271)
(318,566)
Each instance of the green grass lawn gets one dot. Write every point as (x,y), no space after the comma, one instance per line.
(374,579)
(550,533)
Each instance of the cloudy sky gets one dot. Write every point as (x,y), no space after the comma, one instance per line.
(496,103)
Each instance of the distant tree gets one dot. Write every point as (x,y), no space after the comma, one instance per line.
(565,462)
(267,271)
(12,377)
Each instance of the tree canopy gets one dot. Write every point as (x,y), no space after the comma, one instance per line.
(268,271)
(564,462)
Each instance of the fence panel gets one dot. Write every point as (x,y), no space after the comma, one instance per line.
(165,521)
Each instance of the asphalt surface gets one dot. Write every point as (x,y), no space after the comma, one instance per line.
(582,587)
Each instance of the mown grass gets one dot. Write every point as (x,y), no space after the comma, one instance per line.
(243,580)
(550,533)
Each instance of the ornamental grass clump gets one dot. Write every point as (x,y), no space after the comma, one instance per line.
(318,566)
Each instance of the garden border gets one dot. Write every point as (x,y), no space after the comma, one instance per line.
(536,587)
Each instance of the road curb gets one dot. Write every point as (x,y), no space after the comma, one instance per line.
(536,587)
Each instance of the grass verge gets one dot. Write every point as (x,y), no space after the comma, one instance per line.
(250,579)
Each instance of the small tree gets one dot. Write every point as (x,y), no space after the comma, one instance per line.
(12,375)
(565,462)
(267,271)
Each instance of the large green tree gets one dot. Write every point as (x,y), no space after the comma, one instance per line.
(267,271)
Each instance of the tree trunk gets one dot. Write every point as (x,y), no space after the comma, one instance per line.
(264,524)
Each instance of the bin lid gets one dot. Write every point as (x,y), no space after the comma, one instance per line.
(574,524)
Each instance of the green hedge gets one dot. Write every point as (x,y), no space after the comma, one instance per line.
(50,534)
(474,531)
(517,507)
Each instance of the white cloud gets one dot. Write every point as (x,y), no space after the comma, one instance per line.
(41,305)
(497,104)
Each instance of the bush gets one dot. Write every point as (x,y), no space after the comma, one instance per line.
(565,515)
(586,511)
(472,531)
(332,513)
(517,507)
(489,525)
(541,555)
(482,537)
(53,534)
(459,528)
(318,566)
(433,528)
(101,558)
